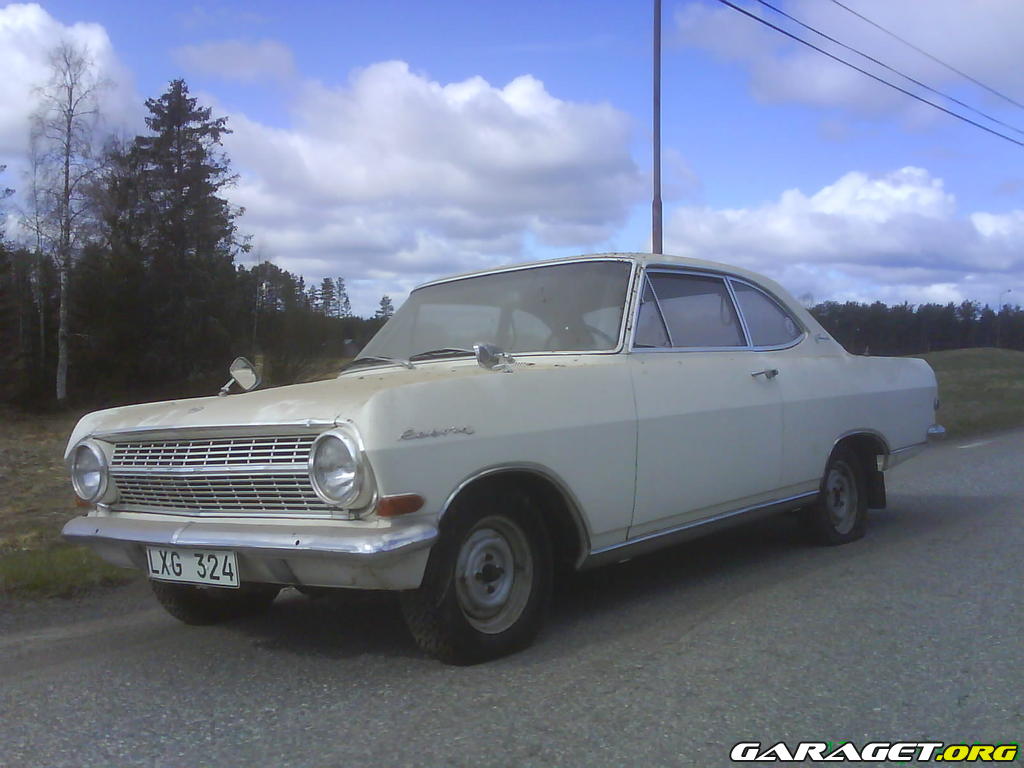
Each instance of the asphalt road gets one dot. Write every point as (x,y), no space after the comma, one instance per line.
(913,633)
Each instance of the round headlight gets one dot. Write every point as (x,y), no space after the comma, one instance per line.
(335,467)
(89,471)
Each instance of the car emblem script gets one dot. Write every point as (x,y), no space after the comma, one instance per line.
(412,434)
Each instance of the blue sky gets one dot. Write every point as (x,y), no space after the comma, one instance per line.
(513,131)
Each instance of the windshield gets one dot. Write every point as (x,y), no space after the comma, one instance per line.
(559,308)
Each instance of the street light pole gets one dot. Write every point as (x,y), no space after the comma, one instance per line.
(656,245)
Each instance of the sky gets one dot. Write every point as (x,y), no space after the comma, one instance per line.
(392,142)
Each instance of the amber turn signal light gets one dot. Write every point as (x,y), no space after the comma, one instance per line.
(403,504)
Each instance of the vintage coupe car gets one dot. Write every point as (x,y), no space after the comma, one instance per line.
(501,426)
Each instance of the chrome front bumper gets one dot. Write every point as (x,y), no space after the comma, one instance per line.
(392,557)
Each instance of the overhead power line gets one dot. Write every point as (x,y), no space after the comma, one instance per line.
(923,52)
(873,76)
(891,69)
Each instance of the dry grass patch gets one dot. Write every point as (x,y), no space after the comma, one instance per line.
(35,501)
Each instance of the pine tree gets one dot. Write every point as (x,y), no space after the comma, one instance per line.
(328,301)
(341,295)
(192,233)
(386,308)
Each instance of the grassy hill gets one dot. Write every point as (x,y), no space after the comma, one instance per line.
(981,389)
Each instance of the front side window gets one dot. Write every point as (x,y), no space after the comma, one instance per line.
(562,307)
(768,323)
(697,310)
(650,327)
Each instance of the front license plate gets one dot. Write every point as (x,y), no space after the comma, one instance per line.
(194,566)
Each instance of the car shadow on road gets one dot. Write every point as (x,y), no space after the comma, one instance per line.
(683,578)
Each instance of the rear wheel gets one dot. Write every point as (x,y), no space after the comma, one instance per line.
(487,582)
(210,605)
(840,514)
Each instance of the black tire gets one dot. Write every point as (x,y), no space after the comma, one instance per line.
(840,514)
(471,607)
(210,605)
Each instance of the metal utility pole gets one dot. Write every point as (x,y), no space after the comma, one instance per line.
(656,246)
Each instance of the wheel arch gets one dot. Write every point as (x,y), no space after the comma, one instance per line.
(561,512)
(866,445)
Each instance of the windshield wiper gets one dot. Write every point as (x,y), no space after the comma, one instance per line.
(442,352)
(376,359)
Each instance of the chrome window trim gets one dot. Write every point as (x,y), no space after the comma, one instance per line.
(523,267)
(727,277)
(747,337)
(804,332)
(657,305)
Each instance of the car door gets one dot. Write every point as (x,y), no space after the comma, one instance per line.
(708,404)
(808,388)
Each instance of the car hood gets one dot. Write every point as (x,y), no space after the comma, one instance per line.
(320,402)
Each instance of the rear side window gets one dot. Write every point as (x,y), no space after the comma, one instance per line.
(698,310)
(769,324)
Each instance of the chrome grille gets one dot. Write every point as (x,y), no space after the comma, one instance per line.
(228,451)
(217,476)
(257,493)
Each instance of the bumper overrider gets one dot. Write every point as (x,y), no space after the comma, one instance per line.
(372,556)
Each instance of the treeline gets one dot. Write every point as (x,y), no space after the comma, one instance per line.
(905,329)
(128,287)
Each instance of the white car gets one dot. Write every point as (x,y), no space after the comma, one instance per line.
(502,424)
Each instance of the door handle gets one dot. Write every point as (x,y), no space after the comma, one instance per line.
(768,373)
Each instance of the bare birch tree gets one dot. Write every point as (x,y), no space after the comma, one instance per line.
(63,128)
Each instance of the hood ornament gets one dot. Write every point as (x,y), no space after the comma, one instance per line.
(493,358)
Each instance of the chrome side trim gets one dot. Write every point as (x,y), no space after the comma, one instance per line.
(691,530)
(575,509)
(213,430)
(898,456)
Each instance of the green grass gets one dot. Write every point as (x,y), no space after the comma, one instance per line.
(981,390)
(56,571)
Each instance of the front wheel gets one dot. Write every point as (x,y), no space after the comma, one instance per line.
(487,583)
(841,512)
(210,605)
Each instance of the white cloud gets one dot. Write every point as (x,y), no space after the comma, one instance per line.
(395,174)
(27,34)
(894,237)
(981,39)
(238,60)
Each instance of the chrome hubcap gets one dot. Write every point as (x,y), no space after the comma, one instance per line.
(494,575)
(841,498)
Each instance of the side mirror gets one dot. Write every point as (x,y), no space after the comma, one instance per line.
(243,373)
